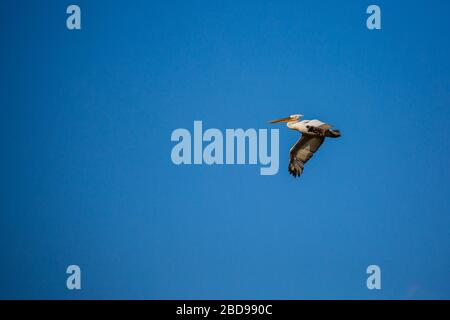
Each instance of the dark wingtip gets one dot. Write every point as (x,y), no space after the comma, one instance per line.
(294,173)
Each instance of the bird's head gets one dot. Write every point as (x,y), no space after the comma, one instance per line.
(291,118)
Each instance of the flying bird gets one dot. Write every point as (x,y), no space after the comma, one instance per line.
(313,133)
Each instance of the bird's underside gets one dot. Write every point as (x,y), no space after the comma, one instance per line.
(306,146)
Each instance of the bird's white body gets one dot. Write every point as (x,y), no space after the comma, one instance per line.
(303,126)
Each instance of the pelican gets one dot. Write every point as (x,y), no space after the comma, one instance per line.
(313,133)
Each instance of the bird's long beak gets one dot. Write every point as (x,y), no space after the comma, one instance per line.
(281,120)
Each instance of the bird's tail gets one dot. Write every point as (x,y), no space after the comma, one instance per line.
(333,133)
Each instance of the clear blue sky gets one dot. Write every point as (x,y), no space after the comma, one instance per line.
(87,179)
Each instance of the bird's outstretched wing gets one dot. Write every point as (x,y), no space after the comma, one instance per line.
(302,151)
